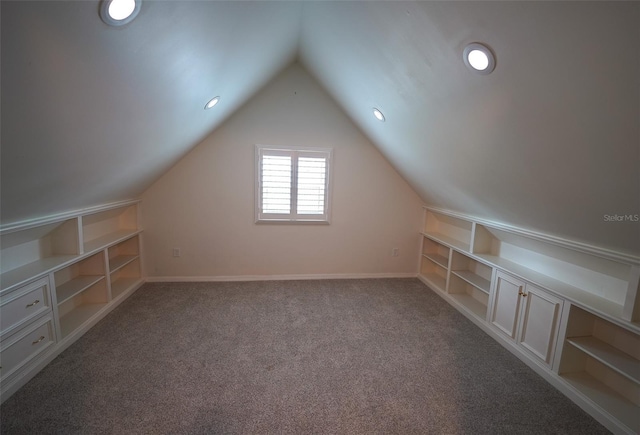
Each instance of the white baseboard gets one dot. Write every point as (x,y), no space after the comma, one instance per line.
(278,277)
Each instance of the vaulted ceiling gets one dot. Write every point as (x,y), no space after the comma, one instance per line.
(550,140)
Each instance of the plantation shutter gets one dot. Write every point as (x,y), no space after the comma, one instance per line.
(276,184)
(311,185)
(292,184)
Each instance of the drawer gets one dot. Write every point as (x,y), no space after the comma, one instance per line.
(24,304)
(26,344)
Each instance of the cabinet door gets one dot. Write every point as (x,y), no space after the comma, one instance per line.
(505,305)
(539,323)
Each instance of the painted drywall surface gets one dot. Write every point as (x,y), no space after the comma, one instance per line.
(93,114)
(549,141)
(205,204)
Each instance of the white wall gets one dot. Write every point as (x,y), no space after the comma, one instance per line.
(205,204)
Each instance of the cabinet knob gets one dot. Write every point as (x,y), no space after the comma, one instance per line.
(32,303)
(38,340)
(523,294)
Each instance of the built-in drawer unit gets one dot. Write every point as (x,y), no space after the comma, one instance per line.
(24,304)
(20,348)
(59,276)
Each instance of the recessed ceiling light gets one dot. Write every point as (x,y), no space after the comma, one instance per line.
(378,114)
(119,12)
(479,58)
(212,102)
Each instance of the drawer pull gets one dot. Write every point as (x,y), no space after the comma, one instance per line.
(523,294)
(38,340)
(32,303)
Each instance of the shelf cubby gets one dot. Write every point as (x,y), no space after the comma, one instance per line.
(451,231)
(124,266)
(81,307)
(436,252)
(602,284)
(109,226)
(470,284)
(125,278)
(434,274)
(472,271)
(602,360)
(79,276)
(34,251)
(123,253)
(472,298)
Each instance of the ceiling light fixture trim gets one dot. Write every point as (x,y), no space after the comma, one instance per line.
(378,114)
(119,12)
(212,102)
(479,58)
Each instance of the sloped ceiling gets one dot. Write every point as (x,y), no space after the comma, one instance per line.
(550,140)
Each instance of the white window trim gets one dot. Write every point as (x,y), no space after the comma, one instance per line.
(294,218)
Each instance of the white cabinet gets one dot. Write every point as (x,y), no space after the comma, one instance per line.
(526,314)
(58,277)
(539,321)
(27,327)
(571,311)
(506,302)
(24,304)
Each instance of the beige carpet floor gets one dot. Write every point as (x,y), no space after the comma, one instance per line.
(296,357)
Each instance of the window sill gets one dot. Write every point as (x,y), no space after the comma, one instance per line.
(292,222)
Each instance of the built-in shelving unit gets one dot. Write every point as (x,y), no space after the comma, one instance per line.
(603,359)
(81,292)
(37,250)
(448,230)
(571,311)
(59,276)
(81,307)
(470,283)
(435,263)
(108,227)
(124,266)
(596,282)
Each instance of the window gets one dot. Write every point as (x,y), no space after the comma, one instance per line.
(292,184)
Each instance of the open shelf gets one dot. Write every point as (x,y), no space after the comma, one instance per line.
(440,260)
(76,318)
(79,308)
(16,277)
(119,261)
(436,252)
(109,240)
(472,271)
(451,231)
(469,296)
(76,286)
(602,361)
(598,283)
(475,280)
(622,363)
(122,285)
(469,303)
(434,274)
(35,251)
(123,253)
(109,226)
(607,398)
(79,276)
(125,277)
